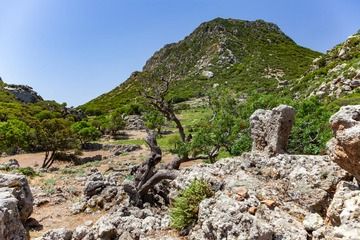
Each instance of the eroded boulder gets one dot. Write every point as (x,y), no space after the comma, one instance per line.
(16,205)
(343,214)
(270,129)
(344,147)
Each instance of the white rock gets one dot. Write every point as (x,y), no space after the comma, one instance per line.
(313,222)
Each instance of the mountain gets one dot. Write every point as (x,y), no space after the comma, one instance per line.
(246,56)
(335,74)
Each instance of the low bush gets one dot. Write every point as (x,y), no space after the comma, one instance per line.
(186,205)
(27,171)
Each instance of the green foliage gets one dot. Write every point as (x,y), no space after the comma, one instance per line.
(154,120)
(46,114)
(116,122)
(222,128)
(49,185)
(311,130)
(54,134)
(27,171)
(131,109)
(85,132)
(14,134)
(241,145)
(185,208)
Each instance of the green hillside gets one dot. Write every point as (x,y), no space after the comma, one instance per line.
(245,56)
(11,107)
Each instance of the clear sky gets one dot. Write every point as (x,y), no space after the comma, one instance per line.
(74,50)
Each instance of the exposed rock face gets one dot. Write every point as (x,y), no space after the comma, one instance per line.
(23,93)
(134,122)
(344,148)
(270,129)
(16,205)
(222,217)
(100,192)
(58,234)
(343,214)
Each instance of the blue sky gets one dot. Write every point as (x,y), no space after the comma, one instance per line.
(74,50)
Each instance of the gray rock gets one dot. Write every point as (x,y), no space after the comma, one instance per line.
(355,83)
(11,227)
(94,185)
(11,164)
(23,93)
(223,217)
(134,122)
(270,129)
(121,149)
(58,234)
(80,232)
(21,191)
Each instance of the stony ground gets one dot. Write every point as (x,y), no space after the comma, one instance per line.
(56,192)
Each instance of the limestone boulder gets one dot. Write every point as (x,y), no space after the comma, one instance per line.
(344,147)
(270,129)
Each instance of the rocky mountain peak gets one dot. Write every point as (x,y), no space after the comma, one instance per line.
(234,52)
(216,43)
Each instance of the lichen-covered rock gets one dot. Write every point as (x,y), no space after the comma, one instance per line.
(222,217)
(128,223)
(270,129)
(344,147)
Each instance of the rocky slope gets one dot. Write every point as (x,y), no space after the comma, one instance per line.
(244,55)
(261,195)
(335,74)
(22,93)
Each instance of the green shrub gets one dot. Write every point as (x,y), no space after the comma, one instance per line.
(27,171)
(186,205)
(241,145)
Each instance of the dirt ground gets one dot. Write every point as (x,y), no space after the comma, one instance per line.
(64,187)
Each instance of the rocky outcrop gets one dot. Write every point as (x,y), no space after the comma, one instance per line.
(23,93)
(270,129)
(100,192)
(343,214)
(16,205)
(261,195)
(11,164)
(344,148)
(134,122)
